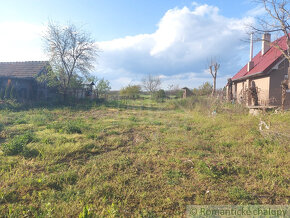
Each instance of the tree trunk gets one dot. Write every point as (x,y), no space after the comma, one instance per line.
(230,90)
(214,86)
(283,98)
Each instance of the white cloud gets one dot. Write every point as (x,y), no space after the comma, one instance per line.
(20,41)
(185,38)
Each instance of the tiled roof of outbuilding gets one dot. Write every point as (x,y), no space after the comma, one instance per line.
(28,69)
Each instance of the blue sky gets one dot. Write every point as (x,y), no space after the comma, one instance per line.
(167,38)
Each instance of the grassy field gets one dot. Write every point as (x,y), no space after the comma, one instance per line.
(139,158)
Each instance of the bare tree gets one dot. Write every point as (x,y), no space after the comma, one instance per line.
(213,69)
(151,83)
(71,51)
(276,20)
(173,88)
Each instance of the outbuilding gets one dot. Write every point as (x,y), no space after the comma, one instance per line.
(21,77)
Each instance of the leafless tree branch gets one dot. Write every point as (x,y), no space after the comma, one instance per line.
(213,66)
(71,51)
(151,83)
(277,20)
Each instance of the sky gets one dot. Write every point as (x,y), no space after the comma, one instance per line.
(171,39)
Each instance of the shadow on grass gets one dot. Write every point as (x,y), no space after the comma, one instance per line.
(75,105)
(122,105)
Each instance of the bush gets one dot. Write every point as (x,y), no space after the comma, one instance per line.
(159,95)
(187,103)
(204,89)
(131,91)
(18,144)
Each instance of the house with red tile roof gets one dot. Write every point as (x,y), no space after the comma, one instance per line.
(262,75)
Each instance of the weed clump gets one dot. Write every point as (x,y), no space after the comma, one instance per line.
(58,181)
(174,177)
(69,127)
(18,145)
(238,194)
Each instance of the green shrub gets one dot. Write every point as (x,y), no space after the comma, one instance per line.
(18,144)
(204,89)
(131,91)
(159,95)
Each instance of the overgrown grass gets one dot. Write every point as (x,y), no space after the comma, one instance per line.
(139,158)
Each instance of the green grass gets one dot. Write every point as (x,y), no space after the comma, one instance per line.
(139,158)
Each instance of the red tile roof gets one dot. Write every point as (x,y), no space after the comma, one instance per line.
(28,69)
(263,62)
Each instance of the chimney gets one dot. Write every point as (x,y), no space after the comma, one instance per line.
(251,63)
(251,47)
(266,41)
